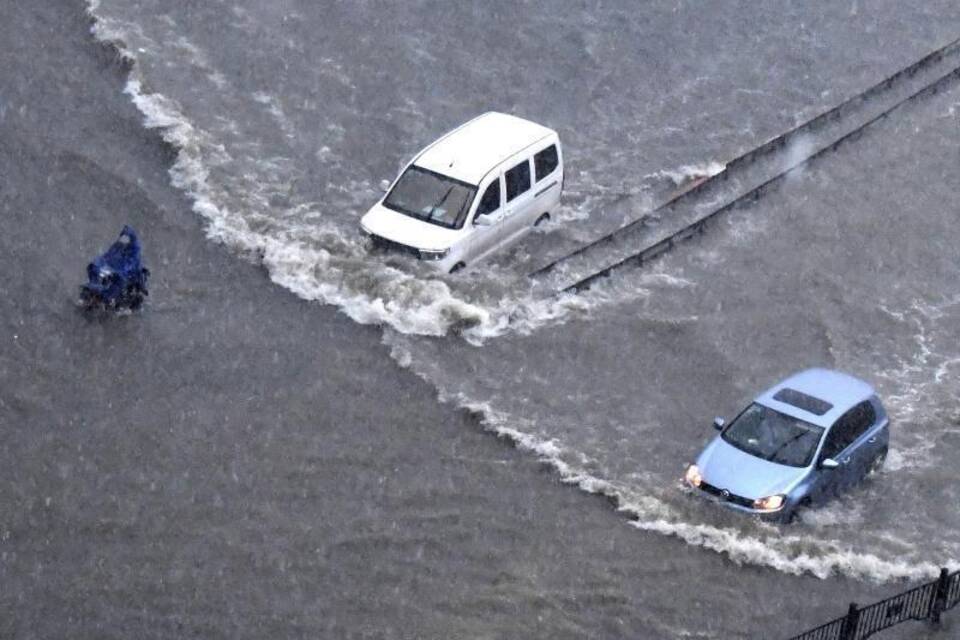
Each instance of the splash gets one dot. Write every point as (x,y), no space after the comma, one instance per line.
(318,261)
(688,173)
(805,551)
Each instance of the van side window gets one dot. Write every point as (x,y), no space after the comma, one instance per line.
(518,180)
(490,201)
(545,162)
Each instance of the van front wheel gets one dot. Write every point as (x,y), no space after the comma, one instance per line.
(457,267)
(543,218)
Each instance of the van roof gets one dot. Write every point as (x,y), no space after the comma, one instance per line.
(469,152)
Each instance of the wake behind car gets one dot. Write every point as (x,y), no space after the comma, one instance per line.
(472,192)
(800,442)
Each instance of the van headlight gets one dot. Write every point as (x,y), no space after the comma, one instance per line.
(693,477)
(770,503)
(426,254)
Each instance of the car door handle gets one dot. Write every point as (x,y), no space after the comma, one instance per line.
(846,460)
(872,440)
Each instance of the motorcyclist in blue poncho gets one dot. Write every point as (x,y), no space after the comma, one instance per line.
(116,279)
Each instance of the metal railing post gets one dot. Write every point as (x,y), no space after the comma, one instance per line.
(926,603)
(939,600)
(849,629)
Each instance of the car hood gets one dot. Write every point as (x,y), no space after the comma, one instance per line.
(397,227)
(726,467)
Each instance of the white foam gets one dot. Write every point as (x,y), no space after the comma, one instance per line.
(919,379)
(336,270)
(421,305)
(305,263)
(800,150)
(782,553)
(689,172)
(789,552)
(276,111)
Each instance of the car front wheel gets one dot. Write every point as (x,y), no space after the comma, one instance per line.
(877,463)
(793,515)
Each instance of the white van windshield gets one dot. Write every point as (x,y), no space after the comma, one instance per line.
(432,197)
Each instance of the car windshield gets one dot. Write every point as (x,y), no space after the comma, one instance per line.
(773,436)
(432,197)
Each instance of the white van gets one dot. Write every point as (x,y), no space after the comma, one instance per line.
(433,210)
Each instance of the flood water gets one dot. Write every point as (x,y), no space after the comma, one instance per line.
(300,437)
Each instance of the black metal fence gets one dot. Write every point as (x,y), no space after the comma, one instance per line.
(925,602)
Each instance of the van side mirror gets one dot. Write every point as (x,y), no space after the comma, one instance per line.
(384,185)
(719,423)
(482,221)
(829,463)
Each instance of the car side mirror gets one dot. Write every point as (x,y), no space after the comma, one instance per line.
(384,185)
(482,221)
(719,423)
(829,463)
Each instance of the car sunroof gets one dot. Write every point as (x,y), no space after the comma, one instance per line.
(816,406)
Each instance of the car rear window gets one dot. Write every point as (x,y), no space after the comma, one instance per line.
(800,400)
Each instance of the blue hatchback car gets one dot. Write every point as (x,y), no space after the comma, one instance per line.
(801,441)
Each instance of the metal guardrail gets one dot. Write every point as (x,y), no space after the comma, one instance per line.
(926,602)
(655,250)
(777,143)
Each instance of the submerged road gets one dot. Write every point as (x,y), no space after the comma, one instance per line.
(236,462)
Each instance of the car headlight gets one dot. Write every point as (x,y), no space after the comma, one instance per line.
(693,477)
(426,254)
(770,503)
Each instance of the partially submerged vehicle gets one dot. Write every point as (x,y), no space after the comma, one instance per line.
(116,279)
(432,212)
(802,441)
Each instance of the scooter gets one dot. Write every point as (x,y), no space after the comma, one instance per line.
(116,279)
